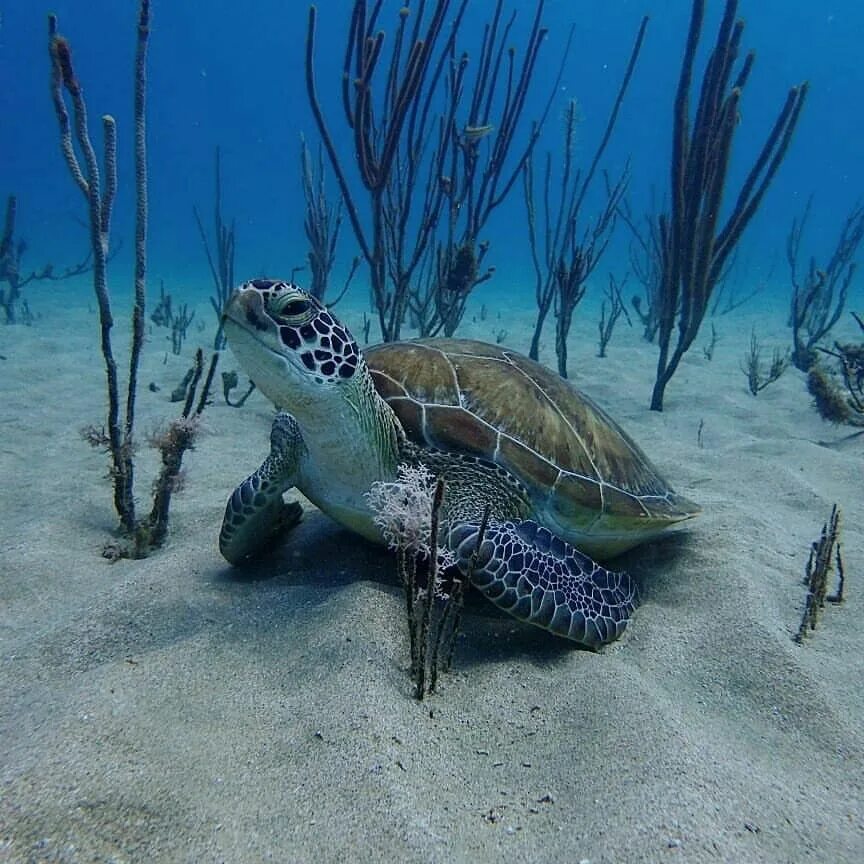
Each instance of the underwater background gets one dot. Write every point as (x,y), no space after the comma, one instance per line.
(222,74)
(174,708)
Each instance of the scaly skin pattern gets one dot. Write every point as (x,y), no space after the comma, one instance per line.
(537,577)
(341,436)
(471,484)
(255,514)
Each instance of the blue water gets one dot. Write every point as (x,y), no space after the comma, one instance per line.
(175,710)
(229,75)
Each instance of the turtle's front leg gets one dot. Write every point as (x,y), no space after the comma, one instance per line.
(538,578)
(256,515)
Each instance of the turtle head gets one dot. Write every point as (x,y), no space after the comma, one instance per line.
(287,342)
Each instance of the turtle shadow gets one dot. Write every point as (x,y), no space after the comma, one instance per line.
(656,567)
(489,635)
(317,552)
(321,555)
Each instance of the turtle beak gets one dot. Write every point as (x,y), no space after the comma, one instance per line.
(226,308)
(223,315)
(245,308)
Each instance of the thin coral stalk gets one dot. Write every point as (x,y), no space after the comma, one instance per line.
(695,245)
(89,181)
(99,187)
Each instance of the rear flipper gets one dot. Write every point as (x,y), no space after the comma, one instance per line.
(540,579)
(256,516)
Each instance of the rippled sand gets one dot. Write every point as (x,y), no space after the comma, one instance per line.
(172,710)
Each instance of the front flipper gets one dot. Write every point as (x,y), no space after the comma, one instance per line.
(540,579)
(256,514)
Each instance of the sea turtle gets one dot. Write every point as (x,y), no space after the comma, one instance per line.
(562,479)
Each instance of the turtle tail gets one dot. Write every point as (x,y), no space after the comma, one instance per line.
(540,579)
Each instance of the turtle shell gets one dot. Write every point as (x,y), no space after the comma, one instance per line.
(588,480)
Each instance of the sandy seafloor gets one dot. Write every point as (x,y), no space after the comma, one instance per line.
(172,709)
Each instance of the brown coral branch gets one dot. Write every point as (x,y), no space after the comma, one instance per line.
(818,571)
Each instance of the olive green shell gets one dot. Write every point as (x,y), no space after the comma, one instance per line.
(580,468)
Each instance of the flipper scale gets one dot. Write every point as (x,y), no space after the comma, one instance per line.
(539,578)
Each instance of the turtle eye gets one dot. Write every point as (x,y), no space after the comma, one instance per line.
(296,307)
(293,310)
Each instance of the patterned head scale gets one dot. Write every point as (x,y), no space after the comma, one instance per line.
(304,327)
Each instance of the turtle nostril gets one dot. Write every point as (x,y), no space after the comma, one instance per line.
(255,319)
